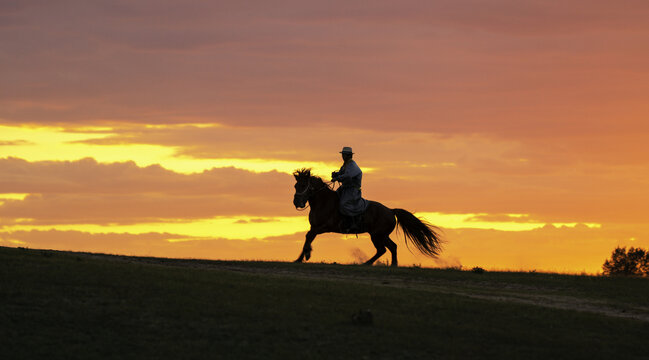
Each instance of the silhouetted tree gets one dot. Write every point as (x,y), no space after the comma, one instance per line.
(623,262)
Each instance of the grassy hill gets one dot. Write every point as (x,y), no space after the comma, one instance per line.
(64,305)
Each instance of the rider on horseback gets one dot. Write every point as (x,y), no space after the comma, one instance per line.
(352,205)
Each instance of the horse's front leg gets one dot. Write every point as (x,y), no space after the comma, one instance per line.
(306,250)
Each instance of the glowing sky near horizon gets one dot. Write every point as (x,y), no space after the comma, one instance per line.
(171,128)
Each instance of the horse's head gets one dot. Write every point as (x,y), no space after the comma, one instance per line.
(303,187)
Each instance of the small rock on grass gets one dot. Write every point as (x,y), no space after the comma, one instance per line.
(363,317)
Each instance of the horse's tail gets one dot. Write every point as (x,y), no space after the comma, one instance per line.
(425,236)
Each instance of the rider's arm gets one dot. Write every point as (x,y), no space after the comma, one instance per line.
(351,170)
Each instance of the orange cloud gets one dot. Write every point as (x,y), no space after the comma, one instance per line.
(557,181)
(284,248)
(125,193)
(561,249)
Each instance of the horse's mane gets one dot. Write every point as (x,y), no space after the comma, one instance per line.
(305,173)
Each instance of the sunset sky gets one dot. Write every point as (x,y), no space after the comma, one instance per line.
(171,128)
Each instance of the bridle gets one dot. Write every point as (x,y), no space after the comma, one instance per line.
(308,187)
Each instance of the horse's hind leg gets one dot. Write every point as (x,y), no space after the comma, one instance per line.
(393,250)
(379,244)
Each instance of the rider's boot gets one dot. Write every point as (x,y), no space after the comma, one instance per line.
(346,224)
(355,226)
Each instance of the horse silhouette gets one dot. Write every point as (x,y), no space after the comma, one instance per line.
(378,220)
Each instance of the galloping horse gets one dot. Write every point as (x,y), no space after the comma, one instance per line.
(379,221)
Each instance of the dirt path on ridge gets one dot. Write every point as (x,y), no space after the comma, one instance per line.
(490,291)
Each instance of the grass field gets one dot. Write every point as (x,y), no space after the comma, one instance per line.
(64,305)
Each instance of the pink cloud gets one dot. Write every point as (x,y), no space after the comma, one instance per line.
(502,67)
(85,191)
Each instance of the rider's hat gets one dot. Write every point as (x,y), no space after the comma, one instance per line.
(347,150)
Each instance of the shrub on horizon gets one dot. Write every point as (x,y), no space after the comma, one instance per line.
(634,262)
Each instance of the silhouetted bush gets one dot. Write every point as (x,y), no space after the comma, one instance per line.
(478,270)
(623,262)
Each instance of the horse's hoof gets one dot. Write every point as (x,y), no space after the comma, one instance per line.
(297,261)
(307,256)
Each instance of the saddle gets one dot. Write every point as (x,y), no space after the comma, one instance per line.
(352,224)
